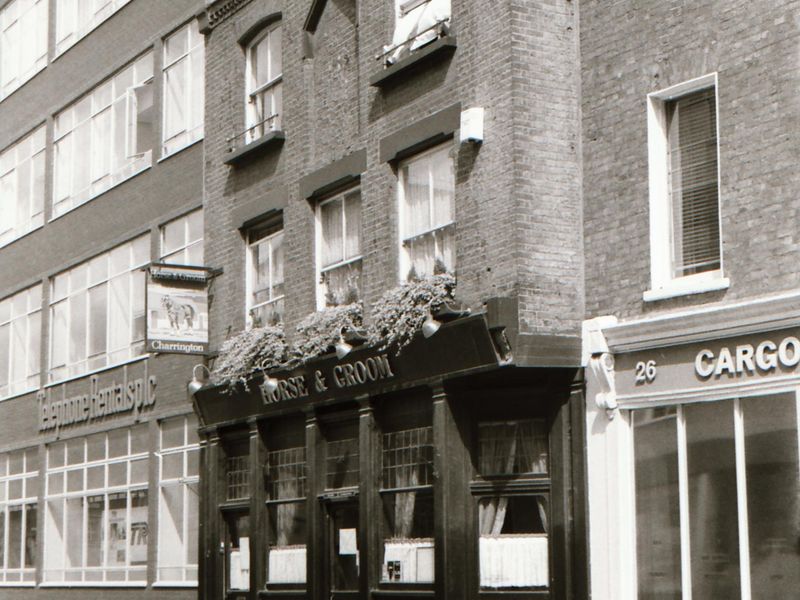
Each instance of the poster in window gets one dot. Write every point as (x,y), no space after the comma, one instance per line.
(177,310)
(118,532)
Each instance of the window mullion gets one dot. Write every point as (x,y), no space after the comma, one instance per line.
(683,491)
(741,492)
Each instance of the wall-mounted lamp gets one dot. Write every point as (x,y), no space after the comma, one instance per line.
(195,384)
(430,326)
(342,348)
(270,384)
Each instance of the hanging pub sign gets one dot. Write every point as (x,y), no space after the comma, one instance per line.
(177,309)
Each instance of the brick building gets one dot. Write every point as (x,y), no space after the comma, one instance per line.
(341,162)
(100,145)
(691,295)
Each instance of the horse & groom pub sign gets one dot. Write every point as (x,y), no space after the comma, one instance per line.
(177,309)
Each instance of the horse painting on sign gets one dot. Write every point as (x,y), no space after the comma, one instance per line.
(179,315)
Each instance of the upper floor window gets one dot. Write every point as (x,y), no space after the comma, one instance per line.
(19,491)
(20,335)
(417,22)
(182,240)
(684,190)
(427,214)
(105,137)
(22,187)
(339,242)
(23,42)
(265,256)
(76,18)
(184,81)
(97,312)
(264,84)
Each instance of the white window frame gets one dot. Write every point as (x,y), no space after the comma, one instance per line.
(321,288)
(662,283)
(29,482)
(33,309)
(416,23)
(251,266)
(99,104)
(13,17)
(30,149)
(55,563)
(190,483)
(404,260)
(80,25)
(740,461)
(255,127)
(167,257)
(193,127)
(133,351)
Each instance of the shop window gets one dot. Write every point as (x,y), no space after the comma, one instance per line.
(184,81)
(686,251)
(20,339)
(513,523)
(264,99)
(407,497)
(735,540)
(23,42)
(427,214)
(182,240)
(286,512)
(417,22)
(19,491)
(237,551)
(179,501)
(265,289)
(22,186)
(96,523)
(97,312)
(339,243)
(76,18)
(105,137)
(342,463)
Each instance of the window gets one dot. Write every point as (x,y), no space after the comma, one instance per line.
(96,527)
(339,243)
(286,495)
(265,256)
(179,500)
(182,240)
(23,43)
(237,473)
(427,214)
(513,523)
(684,190)
(105,137)
(20,338)
(264,84)
(97,313)
(184,80)
(407,495)
(718,498)
(19,491)
(22,187)
(342,463)
(76,18)
(417,22)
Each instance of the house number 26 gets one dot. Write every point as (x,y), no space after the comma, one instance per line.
(646,371)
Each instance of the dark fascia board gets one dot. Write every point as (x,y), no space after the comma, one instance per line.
(335,175)
(246,214)
(273,138)
(421,134)
(534,350)
(386,76)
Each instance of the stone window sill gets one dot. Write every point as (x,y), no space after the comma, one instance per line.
(439,48)
(268,140)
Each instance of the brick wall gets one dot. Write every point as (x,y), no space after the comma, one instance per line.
(631,49)
(517,195)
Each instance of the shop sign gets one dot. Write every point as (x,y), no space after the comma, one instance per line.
(60,408)
(177,309)
(338,377)
(743,359)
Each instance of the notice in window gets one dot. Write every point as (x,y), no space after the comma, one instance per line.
(347,542)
